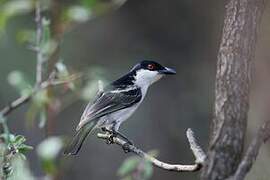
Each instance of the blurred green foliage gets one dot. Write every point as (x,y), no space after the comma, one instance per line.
(18,80)
(13,147)
(21,170)
(136,168)
(48,151)
(76,12)
(11,8)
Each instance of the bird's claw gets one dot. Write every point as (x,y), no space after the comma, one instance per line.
(126,147)
(104,129)
(110,139)
(130,143)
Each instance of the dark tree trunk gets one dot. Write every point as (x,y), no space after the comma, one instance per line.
(234,66)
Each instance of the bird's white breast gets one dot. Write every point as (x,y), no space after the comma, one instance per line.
(144,78)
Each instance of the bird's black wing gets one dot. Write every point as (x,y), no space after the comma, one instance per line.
(109,102)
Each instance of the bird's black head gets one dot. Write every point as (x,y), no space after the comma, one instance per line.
(143,74)
(153,66)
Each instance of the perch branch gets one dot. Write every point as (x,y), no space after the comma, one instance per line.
(196,149)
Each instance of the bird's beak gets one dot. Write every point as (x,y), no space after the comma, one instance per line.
(167,71)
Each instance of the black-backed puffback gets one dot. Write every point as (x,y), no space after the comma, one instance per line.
(117,102)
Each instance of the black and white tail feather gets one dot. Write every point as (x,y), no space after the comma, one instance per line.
(76,143)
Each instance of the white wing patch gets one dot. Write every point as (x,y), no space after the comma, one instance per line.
(124,90)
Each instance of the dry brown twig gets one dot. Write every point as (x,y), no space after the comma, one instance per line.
(195,148)
(197,151)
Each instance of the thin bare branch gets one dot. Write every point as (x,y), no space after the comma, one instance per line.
(196,149)
(38,49)
(248,160)
(45,84)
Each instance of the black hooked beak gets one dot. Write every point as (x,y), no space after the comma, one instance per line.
(167,71)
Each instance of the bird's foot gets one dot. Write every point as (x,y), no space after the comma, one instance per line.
(126,147)
(112,135)
(130,142)
(110,140)
(106,130)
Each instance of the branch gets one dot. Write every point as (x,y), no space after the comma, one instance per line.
(40,84)
(44,85)
(38,48)
(248,160)
(196,149)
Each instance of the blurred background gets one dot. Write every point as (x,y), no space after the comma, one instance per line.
(101,40)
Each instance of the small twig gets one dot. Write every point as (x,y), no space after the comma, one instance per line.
(13,105)
(24,99)
(248,160)
(38,48)
(196,149)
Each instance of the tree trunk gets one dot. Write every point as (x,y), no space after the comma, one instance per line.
(234,66)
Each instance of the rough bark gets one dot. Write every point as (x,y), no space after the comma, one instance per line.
(234,66)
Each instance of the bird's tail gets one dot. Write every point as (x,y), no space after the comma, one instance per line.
(76,143)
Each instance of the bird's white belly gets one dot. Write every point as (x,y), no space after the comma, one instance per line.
(122,115)
(117,117)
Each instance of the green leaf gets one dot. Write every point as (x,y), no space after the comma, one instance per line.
(129,165)
(19,140)
(24,148)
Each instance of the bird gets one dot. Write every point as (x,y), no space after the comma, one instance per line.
(117,102)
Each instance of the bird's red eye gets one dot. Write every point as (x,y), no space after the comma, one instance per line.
(151,66)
